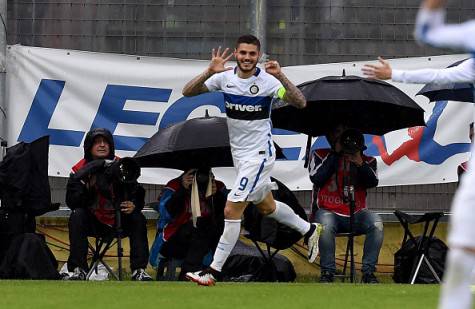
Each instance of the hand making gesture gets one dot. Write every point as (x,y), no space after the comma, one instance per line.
(219,59)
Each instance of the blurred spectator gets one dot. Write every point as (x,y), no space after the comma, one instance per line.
(191,219)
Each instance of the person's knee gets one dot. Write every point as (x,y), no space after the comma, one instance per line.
(266,209)
(327,219)
(267,205)
(137,218)
(233,211)
(78,216)
(371,222)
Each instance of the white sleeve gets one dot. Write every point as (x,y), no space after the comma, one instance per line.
(431,29)
(464,72)
(214,82)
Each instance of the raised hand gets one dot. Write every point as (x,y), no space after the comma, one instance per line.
(219,59)
(272,67)
(378,71)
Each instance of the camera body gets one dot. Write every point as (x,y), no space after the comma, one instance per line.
(352,141)
(202,178)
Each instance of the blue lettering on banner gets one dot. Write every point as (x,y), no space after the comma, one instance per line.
(111,112)
(39,116)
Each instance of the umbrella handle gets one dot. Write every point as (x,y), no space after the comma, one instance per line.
(307,151)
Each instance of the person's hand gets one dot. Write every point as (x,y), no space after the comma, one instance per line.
(433,4)
(378,71)
(272,67)
(127,207)
(354,158)
(187,179)
(218,60)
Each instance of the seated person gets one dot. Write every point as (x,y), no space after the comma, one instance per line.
(93,212)
(329,171)
(191,218)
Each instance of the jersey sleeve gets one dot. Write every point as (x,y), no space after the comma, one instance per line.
(214,83)
(464,72)
(432,30)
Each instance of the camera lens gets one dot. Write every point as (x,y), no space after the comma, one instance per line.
(352,141)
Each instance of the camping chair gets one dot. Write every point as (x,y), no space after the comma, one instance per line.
(349,258)
(99,250)
(424,242)
(167,268)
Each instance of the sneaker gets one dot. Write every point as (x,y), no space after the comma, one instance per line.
(140,275)
(311,239)
(369,278)
(78,274)
(326,277)
(205,277)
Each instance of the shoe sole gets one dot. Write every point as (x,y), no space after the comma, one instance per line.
(314,240)
(212,283)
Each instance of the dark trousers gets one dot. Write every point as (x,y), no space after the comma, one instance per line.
(191,244)
(82,223)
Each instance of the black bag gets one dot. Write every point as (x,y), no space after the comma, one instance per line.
(246,264)
(405,259)
(28,257)
(269,231)
(24,184)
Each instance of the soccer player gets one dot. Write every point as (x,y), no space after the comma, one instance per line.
(249,93)
(431,29)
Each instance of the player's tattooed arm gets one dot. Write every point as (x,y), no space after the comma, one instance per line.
(292,95)
(196,86)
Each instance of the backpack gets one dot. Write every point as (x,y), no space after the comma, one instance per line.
(405,258)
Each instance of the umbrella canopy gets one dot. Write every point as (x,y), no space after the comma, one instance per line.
(462,92)
(194,143)
(371,106)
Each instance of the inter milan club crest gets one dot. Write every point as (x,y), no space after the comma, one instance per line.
(254,89)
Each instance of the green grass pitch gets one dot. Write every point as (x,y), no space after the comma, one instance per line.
(161,295)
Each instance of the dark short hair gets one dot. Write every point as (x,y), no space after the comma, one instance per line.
(471,125)
(248,39)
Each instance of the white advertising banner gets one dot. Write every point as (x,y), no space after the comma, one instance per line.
(65,93)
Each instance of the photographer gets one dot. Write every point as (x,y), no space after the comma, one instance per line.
(90,196)
(191,218)
(330,170)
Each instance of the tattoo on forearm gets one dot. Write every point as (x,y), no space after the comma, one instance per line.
(292,95)
(196,85)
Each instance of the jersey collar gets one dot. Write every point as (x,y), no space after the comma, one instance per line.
(255,73)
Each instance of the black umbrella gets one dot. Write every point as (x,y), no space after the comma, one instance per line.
(24,184)
(462,92)
(371,106)
(198,142)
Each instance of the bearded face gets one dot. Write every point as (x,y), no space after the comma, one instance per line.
(247,56)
